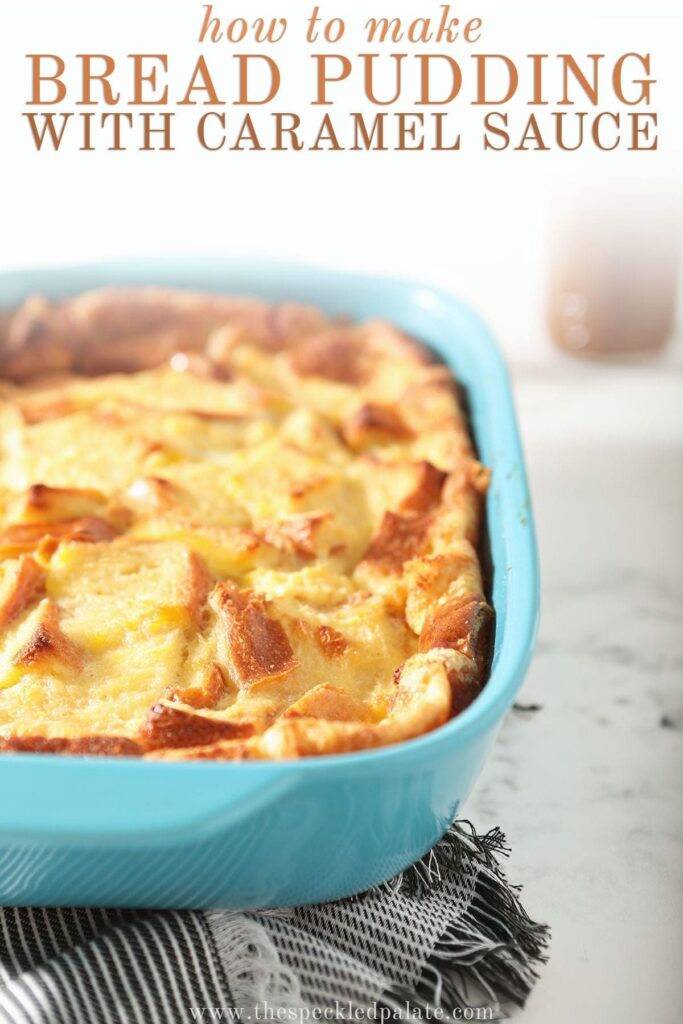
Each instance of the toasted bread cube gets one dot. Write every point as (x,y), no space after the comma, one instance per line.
(330,703)
(431,579)
(21,583)
(108,591)
(38,645)
(254,646)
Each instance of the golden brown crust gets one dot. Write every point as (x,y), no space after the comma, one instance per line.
(257,645)
(333,355)
(428,487)
(286,520)
(330,704)
(125,330)
(332,642)
(427,691)
(464,624)
(168,728)
(401,536)
(296,534)
(26,583)
(98,746)
(47,643)
(43,504)
(198,585)
(28,536)
(208,694)
(374,424)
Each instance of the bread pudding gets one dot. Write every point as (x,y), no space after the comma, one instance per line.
(231,530)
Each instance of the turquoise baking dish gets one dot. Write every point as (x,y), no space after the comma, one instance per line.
(107,832)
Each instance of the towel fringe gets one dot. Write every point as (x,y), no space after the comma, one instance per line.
(492,952)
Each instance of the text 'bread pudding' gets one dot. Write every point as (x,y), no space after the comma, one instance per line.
(231,530)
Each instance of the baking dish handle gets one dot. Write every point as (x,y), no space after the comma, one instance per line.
(132,802)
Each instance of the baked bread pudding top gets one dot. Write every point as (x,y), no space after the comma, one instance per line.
(231,530)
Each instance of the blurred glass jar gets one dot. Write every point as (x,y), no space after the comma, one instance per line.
(614,273)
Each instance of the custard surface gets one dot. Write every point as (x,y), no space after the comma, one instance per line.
(231,530)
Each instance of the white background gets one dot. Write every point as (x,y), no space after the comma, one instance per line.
(479,224)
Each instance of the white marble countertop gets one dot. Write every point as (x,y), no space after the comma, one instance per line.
(588,789)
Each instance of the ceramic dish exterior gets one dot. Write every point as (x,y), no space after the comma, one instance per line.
(90,831)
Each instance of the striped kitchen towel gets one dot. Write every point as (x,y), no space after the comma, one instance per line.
(447,939)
